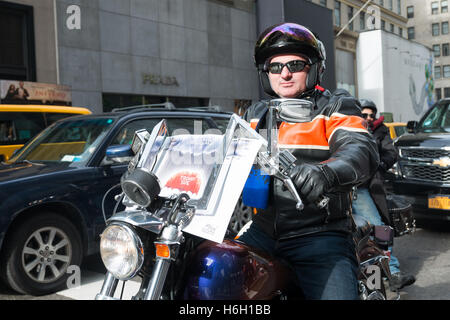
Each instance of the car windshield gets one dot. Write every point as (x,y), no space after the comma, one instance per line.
(399,130)
(70,141)
(438,120)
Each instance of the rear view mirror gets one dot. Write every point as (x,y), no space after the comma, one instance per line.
(411,126)
(293,110)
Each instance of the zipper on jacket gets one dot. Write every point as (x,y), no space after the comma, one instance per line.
(328,214)
(275,232)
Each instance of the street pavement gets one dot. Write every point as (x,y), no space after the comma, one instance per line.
(426,254)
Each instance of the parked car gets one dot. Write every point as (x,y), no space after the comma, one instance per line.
(55,190)
(396,129)
(20,123)
(423,175)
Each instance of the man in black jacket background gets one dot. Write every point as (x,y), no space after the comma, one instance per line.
(370,202)
(334,152)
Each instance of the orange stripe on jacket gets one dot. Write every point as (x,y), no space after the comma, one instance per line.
(306,133)
(345,122)
(317,133)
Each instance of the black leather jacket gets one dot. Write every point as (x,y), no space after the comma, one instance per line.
(338,137)
(388,156)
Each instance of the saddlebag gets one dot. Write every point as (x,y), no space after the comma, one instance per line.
(400,212)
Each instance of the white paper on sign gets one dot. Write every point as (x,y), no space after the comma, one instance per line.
(186,163)
(236,168)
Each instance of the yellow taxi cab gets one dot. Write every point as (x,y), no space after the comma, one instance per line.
(20,123)
(396,129)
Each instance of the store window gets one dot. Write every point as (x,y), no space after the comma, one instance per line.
(446,92)
(17,54)
(112,101)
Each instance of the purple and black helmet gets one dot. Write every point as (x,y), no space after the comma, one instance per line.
(287,38)
(290,38)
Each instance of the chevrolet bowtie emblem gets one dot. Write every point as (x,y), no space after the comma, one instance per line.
(442,162)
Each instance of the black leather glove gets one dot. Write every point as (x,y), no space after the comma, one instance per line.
(311,181)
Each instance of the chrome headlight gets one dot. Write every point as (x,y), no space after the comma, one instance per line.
(122,251)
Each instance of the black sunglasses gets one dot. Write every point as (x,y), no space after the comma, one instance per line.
(293,66)
(368,115)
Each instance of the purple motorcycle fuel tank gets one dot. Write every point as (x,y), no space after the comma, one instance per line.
(233,271)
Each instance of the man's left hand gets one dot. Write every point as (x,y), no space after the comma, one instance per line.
(310,181)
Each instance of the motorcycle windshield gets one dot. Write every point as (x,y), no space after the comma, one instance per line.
(154,145)
(211,169)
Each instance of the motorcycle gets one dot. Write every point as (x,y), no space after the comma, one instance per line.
(179,193)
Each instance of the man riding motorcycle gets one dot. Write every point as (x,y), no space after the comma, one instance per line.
(334,152)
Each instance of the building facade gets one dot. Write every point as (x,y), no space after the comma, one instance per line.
(115,53)
(387,15)
(428,23)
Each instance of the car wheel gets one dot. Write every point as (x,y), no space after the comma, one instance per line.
(241,215)
(38,254)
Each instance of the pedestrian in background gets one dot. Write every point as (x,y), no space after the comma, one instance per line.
(370,198)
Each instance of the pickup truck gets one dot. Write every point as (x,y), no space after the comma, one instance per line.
(423,170)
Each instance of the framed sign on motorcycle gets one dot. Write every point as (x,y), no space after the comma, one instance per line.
(211,170)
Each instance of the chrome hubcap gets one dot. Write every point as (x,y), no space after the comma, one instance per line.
(46,255)
(241,215)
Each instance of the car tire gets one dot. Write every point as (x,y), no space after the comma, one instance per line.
(39,252)
(241,215)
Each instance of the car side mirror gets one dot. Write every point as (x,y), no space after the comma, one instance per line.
(411,126)
(119,154)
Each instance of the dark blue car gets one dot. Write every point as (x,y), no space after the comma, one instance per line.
(56,191)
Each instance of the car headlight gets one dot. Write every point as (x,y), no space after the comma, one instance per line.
(395,170)
(121,251)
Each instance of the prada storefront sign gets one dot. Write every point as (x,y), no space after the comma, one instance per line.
(159,79)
